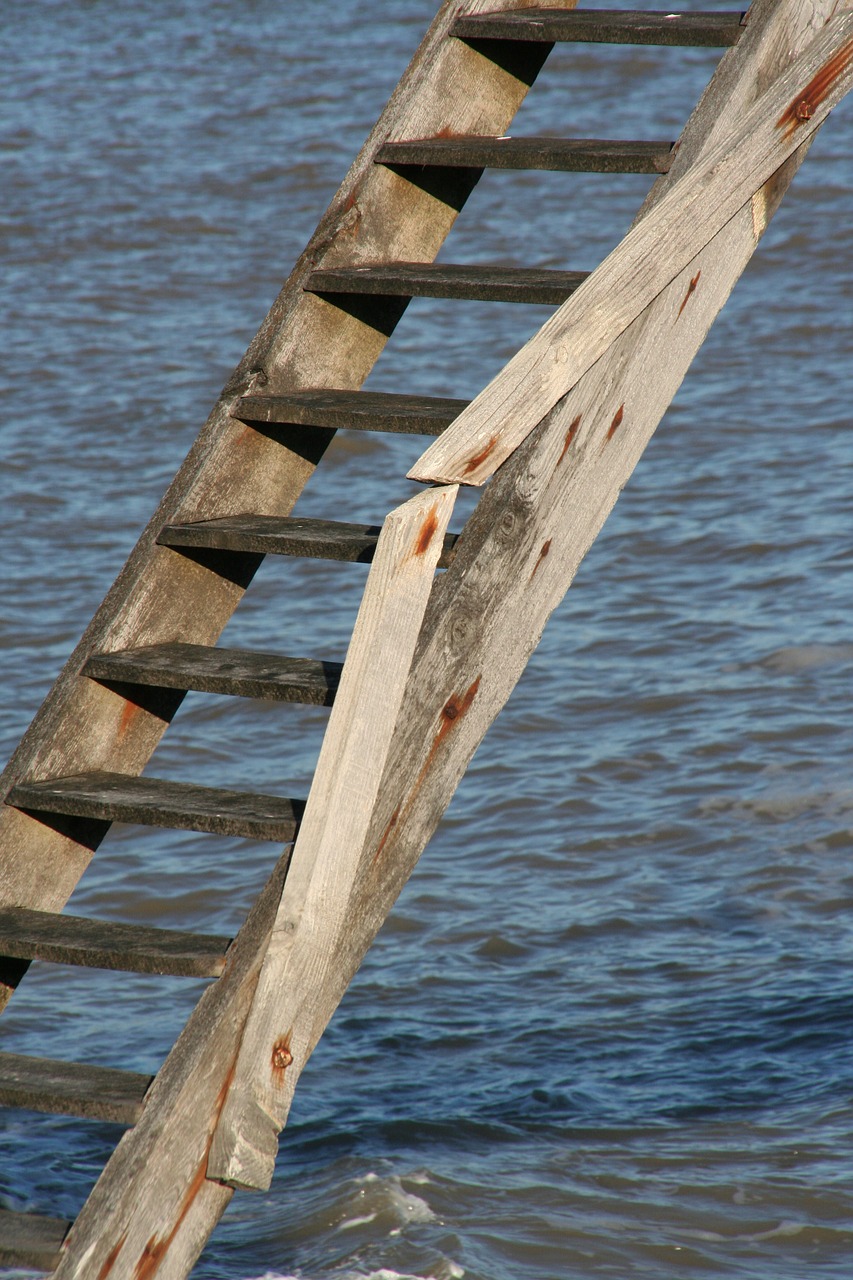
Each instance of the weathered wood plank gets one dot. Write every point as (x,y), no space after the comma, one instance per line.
(686,219)
(353,410)
(517,557)
(119,797)
(72,1088)
(31,1240)
(563,155)
(108,944)
(288,536)
(281,1030)
(228,671)
(449,280)
(152,1209)
(604,26)
(161,596)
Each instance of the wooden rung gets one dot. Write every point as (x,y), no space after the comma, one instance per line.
(603,26)
(579,155)
(353,410)
(286,536)
(72,1088)
(227,671)
(31,1240)
(443,280)
(106,944)
(118,797)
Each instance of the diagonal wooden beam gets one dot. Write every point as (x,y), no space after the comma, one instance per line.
(653,253)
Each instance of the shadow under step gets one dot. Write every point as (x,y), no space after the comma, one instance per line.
(227,671)
(106,944)
(564,155)
(286,536)
(603,26)
(447,280)
(31,1240)
(119,797)
(353,411)
(72,1088)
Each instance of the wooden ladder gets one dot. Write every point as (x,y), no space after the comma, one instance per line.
(433,658)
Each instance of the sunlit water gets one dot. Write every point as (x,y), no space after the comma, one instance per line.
(607,1030)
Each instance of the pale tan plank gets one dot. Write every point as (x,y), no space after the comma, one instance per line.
(295,981)
(698,206)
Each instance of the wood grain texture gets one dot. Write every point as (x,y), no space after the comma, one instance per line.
(449,280)
(30,1240)
(562,155)
(152,1209)
(72,1088)
(156,802)
(282,1028)
(237,672)
(288,536)
(353,410)
(697,207)
(163,596)
(108,944)
(605,26)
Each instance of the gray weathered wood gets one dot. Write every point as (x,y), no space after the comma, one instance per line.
(72,1088)
(108,944)
(30,1240)
(161,596)
(607,26)
(515,560)
(353,410)
(449,280)
(281,1030)
(565,155)
(152,1209)
(288,536)
(229,671)
(119,797)
(686,219)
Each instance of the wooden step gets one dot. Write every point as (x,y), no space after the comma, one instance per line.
(444,280)
(119,797)
(286,536)
(227,671)
(72,1088)
(353,410)
(603,26)
(106,944)
(31,1240)
(577,155)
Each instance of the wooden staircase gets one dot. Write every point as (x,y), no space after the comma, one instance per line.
(433,658)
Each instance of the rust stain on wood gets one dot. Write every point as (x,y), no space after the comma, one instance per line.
(128,714)
(427,531)
(570,435)
(806,103)
(392,822)
(479,458)
(110,1260)
(691,289)
(546,547)
(281,1057)
(616,423)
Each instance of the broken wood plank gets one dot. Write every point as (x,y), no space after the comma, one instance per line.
(108,944)
(72,1088)
(353,410)
(236,672)
(31,1240)
(119,797)
(288,536)
(686,219)
(282,1027)
(449,280)
(604,26)
(562,155)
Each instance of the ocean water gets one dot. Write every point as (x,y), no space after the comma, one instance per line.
(608,1028)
